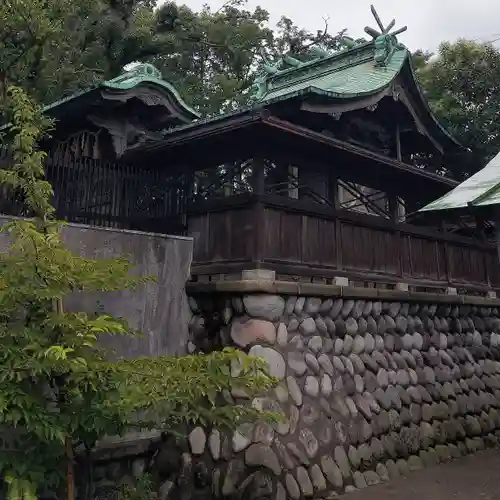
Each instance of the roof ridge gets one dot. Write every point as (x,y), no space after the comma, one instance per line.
(321,60)
(141,73)
(309,70)
(384,44)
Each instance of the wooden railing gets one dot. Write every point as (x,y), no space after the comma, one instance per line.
(307,240)
(93,192)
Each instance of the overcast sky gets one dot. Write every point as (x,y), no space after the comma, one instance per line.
(429,21)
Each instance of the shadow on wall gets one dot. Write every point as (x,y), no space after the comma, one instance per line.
(158,309)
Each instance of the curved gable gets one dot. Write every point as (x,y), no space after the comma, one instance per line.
(134,107)
(356,78)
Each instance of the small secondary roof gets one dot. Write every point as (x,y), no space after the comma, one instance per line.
(480,190)
(142,75)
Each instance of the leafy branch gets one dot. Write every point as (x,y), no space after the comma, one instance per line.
(58,387)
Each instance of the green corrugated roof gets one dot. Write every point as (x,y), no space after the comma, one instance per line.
(348,74)
(480,190)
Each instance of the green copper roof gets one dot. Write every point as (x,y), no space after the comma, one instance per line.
(345,75)
(361,69)
(480,190)
(140,74)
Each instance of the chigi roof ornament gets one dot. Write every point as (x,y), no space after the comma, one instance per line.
(385,41)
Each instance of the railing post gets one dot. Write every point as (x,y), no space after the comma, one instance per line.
(260,232)
(333,191)
(399,241)
(496,220)
(258,177)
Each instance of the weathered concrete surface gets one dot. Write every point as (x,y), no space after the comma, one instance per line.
(158,309)
(471,477)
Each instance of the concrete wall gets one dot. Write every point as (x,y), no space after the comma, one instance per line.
(374,384)
(158,309)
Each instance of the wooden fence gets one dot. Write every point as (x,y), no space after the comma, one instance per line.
(296,239)
(89,191)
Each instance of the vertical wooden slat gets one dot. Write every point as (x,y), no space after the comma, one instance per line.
(449,268)
(338,243)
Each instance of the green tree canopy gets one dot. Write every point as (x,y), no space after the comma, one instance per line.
(211,56)
(462,84)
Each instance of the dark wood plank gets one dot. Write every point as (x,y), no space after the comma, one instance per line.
(243,229)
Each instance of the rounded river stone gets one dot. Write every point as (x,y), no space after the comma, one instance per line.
(274,360)
(265,306)
(244,333)
(332,471)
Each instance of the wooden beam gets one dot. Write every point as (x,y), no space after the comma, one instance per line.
(398,143)
(327,213)
(358,150)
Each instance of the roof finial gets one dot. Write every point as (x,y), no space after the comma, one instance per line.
(385,41)
(383,30)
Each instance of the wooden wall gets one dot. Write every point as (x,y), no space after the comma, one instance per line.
(303,240)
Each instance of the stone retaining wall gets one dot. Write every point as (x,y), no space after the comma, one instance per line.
(372,389)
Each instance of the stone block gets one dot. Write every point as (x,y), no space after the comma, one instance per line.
(258,275)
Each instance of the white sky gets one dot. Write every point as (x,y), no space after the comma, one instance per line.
(429,21)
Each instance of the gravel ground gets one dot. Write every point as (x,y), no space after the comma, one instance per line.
(475,477)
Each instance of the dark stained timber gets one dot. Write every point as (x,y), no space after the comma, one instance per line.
(307,240)
(88,191)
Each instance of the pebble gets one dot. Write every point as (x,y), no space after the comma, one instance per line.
(315,344)
(307,327)
(297,363)
(294,390)
(304,482)
(371,478)
(260,455)
(311,386)
(326,385)
(332,471)
(338,346)
(342,462)
(326,364)
(292,487)
(275,362)
(369,343)
(347,346)
(197,441)
(358,345)
(312,363)
(282,335)
(318,480)
(359,480)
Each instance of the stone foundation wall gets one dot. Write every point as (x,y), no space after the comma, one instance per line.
(372,389)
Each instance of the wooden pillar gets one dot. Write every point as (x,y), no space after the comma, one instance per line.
(258,177)
(293,176)
(497,232)
(259,227)
(334,191)
(398,143)
(481,227)
(393,208)
(227,186)
(401,210)
(397,209)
